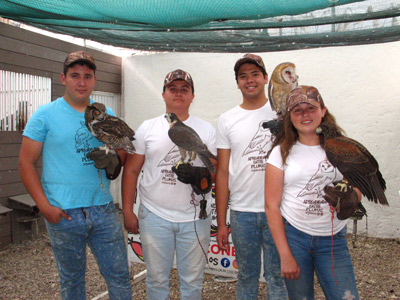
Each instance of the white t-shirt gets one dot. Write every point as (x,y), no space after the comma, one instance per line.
(306,172)
(241,131)
(159,189)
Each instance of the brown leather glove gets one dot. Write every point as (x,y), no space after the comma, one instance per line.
(111,162)
(198,177)
(343,198)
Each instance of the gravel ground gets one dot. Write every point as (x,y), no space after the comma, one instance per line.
(28,271)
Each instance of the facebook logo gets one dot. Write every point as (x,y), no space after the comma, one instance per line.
(225,262)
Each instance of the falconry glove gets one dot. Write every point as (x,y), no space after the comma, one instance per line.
(200,180)
(110,162)
(343,198)
(198,177)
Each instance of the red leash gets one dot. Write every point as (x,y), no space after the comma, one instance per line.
(332,210)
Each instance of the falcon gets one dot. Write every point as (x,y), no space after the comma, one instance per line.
(112,131)
(355,162)
(188,142)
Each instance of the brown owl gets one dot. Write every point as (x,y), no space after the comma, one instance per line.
(112,131)
(283,80)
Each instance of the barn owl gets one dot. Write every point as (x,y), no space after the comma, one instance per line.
(283,80)
(112,131)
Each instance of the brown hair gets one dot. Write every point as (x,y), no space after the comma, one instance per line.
(289,135)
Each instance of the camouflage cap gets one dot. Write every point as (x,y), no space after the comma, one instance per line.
(304,94)
(178,75)
(249,58)
(79,57)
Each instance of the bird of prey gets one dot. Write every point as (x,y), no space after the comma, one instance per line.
(355,162)
(187,140)
(283,80)
(112,131)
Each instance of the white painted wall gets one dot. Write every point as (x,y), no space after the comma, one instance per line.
(359,84)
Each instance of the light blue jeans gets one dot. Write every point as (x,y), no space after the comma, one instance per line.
(100,228)
(313,253)
(250,234)
(161,239)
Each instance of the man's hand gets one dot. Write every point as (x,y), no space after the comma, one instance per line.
(54,214)
(198,177)
(222,237)
(111,162)
(131,222)
(343,198)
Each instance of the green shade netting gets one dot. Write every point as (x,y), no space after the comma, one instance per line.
(214,25)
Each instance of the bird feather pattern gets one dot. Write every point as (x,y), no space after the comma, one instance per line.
(188,140)
(110,130)
(355,162)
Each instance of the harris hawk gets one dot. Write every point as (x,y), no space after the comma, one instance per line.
(355,162)
(188,141)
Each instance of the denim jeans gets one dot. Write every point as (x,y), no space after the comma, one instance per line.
(161,239)
(100,228)
(314,253)
(250,233)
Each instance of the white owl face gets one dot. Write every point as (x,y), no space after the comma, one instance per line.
(289,75)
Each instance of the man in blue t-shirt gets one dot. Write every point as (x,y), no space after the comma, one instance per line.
(72,194)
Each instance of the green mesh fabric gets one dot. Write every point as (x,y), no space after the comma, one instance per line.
(214,26)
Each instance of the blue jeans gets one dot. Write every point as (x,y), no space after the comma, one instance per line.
(160,240)
(100,228)
(250,233)
(313,253)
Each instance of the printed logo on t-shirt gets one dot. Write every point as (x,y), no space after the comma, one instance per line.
(82,145)
(169,160)
(312,193)
(257,149)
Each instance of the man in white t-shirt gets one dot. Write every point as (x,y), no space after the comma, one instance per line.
(242,145)
(168,215)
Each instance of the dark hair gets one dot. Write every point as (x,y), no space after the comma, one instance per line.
(289,135)
(81,63)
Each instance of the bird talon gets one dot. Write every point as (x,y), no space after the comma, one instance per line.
(178,164)
(343,185)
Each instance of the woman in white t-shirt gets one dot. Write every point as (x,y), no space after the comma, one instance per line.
(307,233)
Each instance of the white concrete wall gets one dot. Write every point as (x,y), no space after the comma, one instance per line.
(360,85)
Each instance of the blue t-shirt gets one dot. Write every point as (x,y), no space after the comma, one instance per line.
(69,179)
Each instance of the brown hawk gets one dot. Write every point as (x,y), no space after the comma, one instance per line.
(112,131)
(355,162)
(187,140)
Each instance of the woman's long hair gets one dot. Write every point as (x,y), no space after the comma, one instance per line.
(289,135)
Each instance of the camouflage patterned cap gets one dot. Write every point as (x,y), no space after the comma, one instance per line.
(304,94)
(249,58)
(79,56)
(178,75)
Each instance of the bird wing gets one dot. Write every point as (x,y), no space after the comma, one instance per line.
(270,96)
(358,166)
(116,127)
(186,137)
